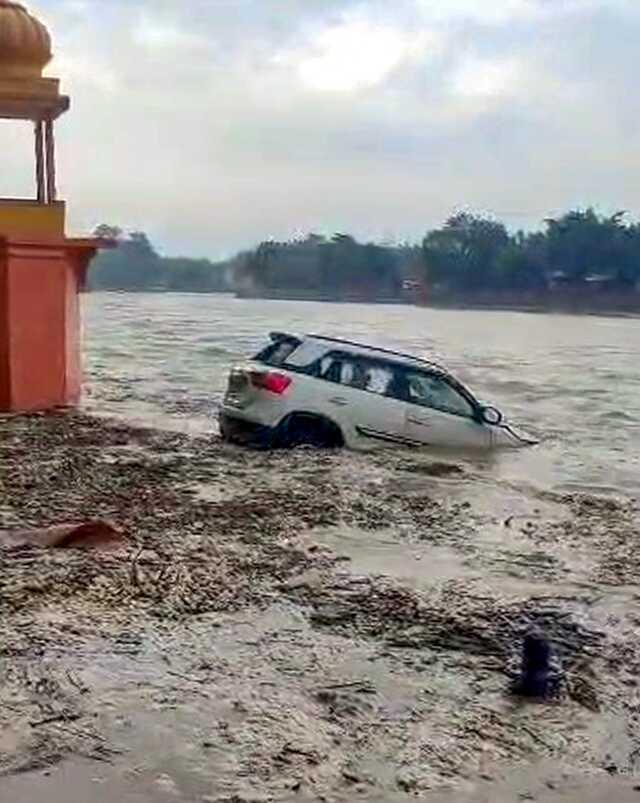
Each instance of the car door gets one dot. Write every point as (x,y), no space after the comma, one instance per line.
(355,390)
(438,414)
(379,418)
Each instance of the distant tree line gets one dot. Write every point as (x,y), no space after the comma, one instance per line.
(476,254)
(336,267)
(470,256)
(135,265)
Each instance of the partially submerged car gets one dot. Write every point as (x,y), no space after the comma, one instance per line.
(330,392)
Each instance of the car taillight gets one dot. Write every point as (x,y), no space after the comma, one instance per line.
(271,381)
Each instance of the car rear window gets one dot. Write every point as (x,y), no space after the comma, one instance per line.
(277,353)
(290,352)
(306,355)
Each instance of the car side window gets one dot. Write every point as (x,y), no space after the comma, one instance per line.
(355,373)
(330,368)
(378,378)
(429,390)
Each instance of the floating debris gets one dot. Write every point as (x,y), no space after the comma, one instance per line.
(89,535)
(324,677)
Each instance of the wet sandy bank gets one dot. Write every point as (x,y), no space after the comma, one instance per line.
(304,625)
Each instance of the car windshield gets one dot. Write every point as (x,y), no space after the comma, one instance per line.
(431,390)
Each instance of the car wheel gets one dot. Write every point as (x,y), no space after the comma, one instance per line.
(309,430)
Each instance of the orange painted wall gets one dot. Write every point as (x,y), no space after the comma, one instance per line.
(36,312)
(40,355)
(5,394)
(73,333)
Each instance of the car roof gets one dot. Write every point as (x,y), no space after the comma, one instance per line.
(334,343)
(378,351)
(326,344)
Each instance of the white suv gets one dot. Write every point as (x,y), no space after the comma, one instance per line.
(329,392)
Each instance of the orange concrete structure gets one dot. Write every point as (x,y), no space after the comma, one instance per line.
(41,270)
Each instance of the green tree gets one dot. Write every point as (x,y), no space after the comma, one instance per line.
(521,265)
(135,265)
(462,254)
(106,232)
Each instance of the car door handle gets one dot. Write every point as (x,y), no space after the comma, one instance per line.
(421,422)
(339,400)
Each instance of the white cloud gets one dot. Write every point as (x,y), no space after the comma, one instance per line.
(355,54)
(500,12)
(483,78)
(215,123)
(489,11)
(80,70)
(164,35)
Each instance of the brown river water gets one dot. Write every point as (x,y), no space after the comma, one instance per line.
(195,708)
(573,381)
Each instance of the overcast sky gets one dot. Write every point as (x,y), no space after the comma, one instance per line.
(213,124)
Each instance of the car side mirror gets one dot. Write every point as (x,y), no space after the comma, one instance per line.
(491,415)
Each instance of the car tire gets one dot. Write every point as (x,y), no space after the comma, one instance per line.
(309,430)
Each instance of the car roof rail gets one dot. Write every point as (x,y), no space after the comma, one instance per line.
(380,350)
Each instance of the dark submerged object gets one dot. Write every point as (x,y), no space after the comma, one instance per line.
(539,674)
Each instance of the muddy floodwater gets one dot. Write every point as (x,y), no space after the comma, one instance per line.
(322,626)
(572,380)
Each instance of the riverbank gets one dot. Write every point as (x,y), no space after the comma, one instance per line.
(571,302)
(565,303)
(627,305)
(305,625)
